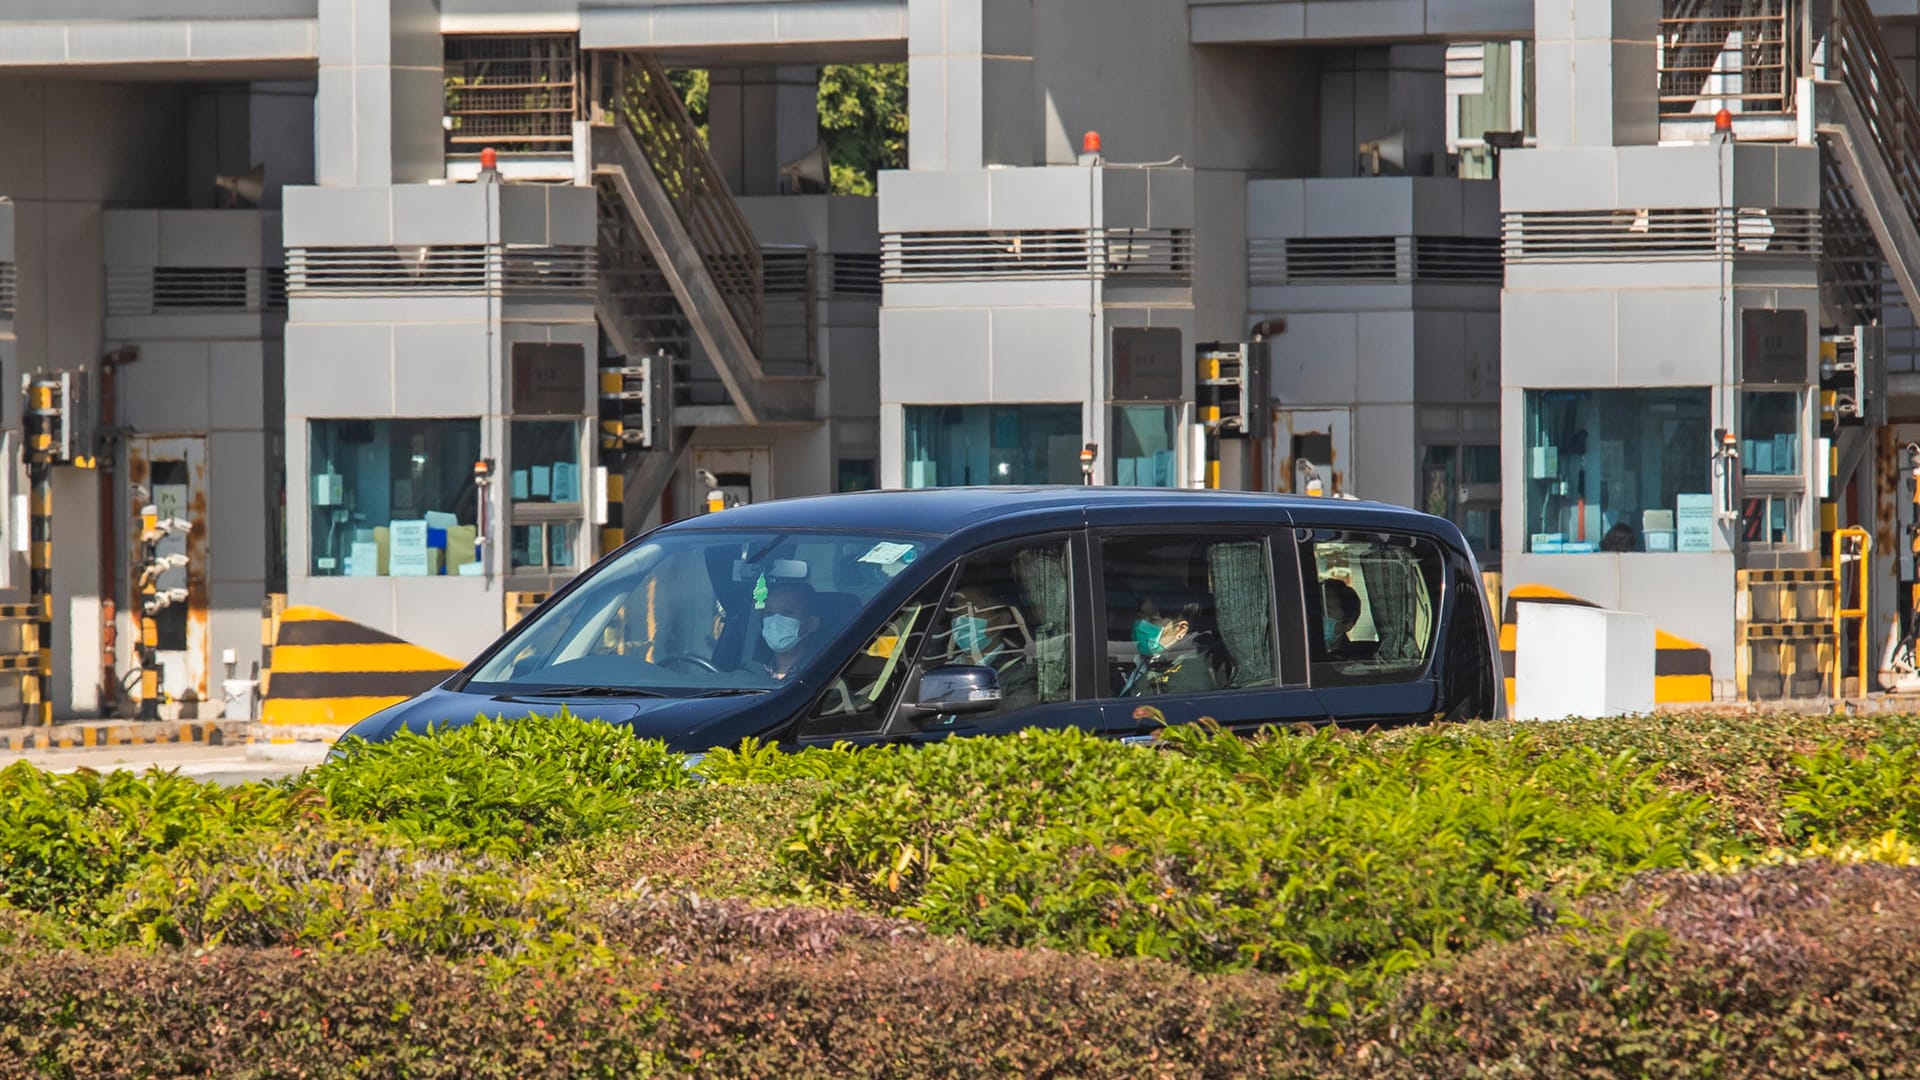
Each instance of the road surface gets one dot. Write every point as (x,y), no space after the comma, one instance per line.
(218,764)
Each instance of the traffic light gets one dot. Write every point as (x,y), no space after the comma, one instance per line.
(1850,366)
(1230,388)
(626,405)
(58,428)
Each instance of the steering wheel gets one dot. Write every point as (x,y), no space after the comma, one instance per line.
(700,662)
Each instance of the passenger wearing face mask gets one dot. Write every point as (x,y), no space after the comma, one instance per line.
(985,633)
(788,625)
(1339,610)
(1176,656)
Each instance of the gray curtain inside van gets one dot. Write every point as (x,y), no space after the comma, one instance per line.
(1243,608)
(1042,575)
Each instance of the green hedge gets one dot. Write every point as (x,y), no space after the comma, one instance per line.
(1357,893)
(1789,970)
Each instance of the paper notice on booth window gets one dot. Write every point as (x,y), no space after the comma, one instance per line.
(407,549)
(886,553)
(1693,521)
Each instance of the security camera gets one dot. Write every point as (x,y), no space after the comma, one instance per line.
(707,478)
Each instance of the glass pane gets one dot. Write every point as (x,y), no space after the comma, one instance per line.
(1144,441)
(1770,520)
(392,496)
(546,461)
(857,475)
(962,445)
(1375,601)
(1770,433)
(692,611)
(1437,481)
(1187,615)
(529,541)
(1618,470)
(858,701)
(561,539)
(1012,610)
(1480,464)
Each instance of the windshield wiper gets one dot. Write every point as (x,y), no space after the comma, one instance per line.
(583,691)
(730,691)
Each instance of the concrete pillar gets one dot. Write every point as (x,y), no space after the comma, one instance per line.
(1596,78)
(381,94)
(970,63)
(759,119)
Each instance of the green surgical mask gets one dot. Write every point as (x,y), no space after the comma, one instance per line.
(1146,635)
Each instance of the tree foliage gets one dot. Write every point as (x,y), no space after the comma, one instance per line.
(863,119)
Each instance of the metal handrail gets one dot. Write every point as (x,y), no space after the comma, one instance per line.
(633,89)
(1850,544)
(1859,59)
(1694,39)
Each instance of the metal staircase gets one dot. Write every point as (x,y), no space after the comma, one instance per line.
(682,277)
(1866,117)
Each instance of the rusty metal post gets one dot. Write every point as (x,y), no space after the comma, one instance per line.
(149,627)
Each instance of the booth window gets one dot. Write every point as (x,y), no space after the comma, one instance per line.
(1146,439)
(1618,470)
(1770,433)
(1460,472)
(1772,482)
(963,445)
(545,487)
(393,497)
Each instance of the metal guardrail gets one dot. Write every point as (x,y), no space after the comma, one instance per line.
(32,663)
(1859,59)
(1743,54)
(634,89)
(1851,546)
(516,93)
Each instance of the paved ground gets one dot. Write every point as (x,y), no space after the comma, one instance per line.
(220,764)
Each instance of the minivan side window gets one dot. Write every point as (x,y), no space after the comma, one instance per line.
(858,700)
(1011,609)
(1373,605)
(1187,614)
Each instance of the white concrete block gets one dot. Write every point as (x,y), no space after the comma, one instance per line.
(1573,661)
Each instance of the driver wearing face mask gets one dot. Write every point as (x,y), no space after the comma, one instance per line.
(788,625)
(985,633)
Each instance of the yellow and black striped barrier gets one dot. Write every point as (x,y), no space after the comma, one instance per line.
(79,736)
(1682,670)
(329,672)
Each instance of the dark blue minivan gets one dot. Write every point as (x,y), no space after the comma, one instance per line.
(916,615)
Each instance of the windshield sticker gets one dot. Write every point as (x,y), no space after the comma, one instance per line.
(886,553)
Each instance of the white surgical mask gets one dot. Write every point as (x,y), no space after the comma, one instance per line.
(781,632)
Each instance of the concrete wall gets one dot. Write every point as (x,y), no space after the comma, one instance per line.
(212,376)
(59,183)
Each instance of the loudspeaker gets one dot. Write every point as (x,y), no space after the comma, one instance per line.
(1390,150)
(807,174)
(241,191)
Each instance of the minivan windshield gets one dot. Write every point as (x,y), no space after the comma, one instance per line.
(698,612)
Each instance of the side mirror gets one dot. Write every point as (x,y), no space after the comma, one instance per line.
(956,691)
